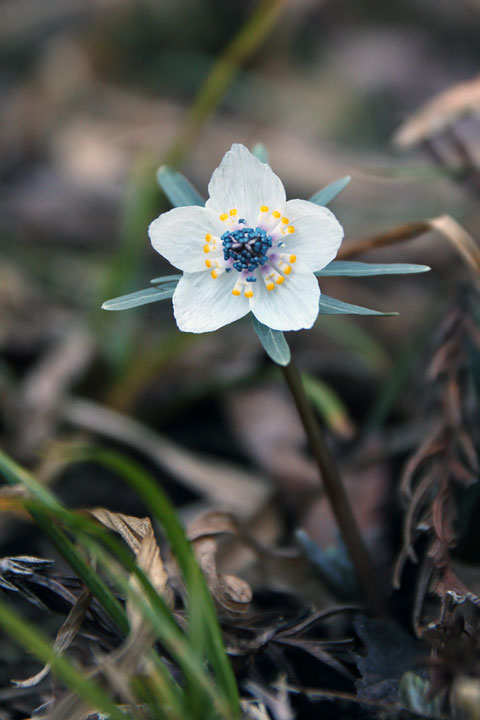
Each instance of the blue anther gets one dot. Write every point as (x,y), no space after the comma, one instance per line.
(247,247)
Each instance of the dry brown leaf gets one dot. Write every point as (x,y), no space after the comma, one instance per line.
(148,560)
(125,661)
(214,522)
(131,529)
(439,113)
(139,535)
(461,241)
(231,593)
(65,636)
(12,498)
(400,233)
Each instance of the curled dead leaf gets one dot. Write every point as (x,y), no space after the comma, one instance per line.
(440,113)
(232,594)
(65,636)
(139,536)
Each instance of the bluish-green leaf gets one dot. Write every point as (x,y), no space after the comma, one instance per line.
(141,297)
(327,193)
(273,342)
(332,306)
(165,279)
(177,188)
(260,152)
(362,269)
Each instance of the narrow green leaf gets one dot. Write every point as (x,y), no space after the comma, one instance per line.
(37,643)
(273,342)
(329,405)
(260,152)
(165,279)
(332,306)
(155,611)
(161,508)
(141,297)
(14,474)
(362,269)
(177,188)
(327,193)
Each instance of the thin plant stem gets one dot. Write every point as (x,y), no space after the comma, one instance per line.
(337,496)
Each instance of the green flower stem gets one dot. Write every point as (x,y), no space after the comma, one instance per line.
(337,496)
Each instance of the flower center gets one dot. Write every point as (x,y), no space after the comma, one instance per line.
(247,247)
(251,249)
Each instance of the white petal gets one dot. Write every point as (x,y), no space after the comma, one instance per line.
(290,306)
(179,235)
(202,304)
(317,236)
(243,182)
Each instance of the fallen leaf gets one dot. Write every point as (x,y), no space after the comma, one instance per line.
(439,113)
(230,592)
(65,636)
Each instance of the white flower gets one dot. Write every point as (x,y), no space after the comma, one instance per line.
(248,249)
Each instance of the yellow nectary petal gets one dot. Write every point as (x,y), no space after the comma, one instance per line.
(317,233)
(202,304)
(180,235)
(243,182)
(293,305)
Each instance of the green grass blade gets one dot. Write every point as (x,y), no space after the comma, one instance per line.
(49,505)
(329,405)
(37,643)
(251,36)
(160,506)
(156,612)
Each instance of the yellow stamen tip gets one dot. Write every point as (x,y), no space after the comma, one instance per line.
(270,286)
(208,263)
(214,274)
(285,220)
(280,280)
(223,216)
(276,214)
(236,292)
(206,248)
(208,237)
(248,293)
(264,208)
(233,212)
(287,269)
(291,229)
(292,258)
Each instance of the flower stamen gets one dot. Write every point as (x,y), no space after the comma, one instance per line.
(246,247)
(211,243)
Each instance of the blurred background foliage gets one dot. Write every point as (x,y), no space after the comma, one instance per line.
(96,94)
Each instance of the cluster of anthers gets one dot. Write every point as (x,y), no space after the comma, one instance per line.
(253,252)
